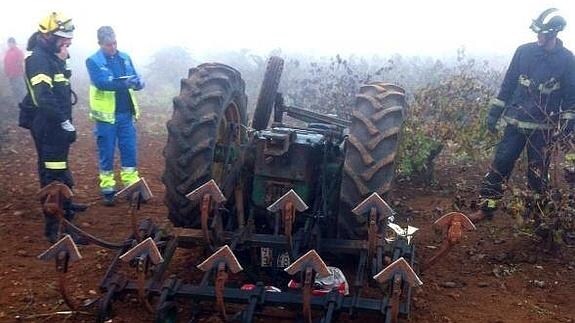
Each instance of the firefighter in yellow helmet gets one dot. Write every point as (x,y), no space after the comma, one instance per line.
(47,108)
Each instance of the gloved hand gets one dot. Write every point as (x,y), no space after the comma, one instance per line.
(135,83)
(70,130)
(493,117)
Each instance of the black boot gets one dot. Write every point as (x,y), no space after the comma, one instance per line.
(78,207)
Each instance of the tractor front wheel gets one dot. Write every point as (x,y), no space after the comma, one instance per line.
(204,137)
(370,151)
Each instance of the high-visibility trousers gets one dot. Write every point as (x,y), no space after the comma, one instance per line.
(123,134)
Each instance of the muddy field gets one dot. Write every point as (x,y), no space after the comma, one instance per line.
(493,276)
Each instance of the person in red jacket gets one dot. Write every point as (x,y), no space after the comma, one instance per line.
(14,69)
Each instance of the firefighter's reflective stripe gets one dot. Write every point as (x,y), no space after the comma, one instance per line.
(107,182)
(497,102)
(31,91)
(491,203)
(549,86)
(41,78)
(55,165)
(545,88)
(526,124)
(524,80)
(60,78)
(568,115)
(129,175)
(570,157)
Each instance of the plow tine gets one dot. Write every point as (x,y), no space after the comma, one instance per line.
(63,252)
(397,272)
(139,187)
(400,266)
(66,245)
(136,192)
(452,225)
(374,201)
(309,264)
(222,261)
(207,195)
(310,259)
(146,248)
(225,255)
(145,252)
(378,211)
(288,204)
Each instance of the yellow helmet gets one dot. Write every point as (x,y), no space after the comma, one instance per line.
(57,24)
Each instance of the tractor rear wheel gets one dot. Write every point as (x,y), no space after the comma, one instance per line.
(370,151)
(204,137)
(268,93)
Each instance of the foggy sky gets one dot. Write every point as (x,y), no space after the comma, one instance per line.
(314,27)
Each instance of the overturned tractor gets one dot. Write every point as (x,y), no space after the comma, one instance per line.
(295,214)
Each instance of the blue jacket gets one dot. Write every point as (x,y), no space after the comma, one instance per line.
(539,84)
(104,71)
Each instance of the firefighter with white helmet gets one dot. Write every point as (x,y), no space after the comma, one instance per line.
(536,98)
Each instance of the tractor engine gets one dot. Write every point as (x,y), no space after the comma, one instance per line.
(305,160)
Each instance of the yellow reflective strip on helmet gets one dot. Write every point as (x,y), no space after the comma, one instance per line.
(41,78)
(526,124)
(55,165)
(524,80)
(497,102)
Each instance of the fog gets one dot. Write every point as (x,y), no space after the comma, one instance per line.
(364,28)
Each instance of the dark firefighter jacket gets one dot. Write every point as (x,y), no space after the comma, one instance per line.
(49,87)
(539,84)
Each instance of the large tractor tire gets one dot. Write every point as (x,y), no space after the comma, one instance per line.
(370,151)
(204,137)
(268,93)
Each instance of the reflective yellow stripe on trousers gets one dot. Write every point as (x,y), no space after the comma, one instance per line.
(107,182)
(55,165)
(129,175)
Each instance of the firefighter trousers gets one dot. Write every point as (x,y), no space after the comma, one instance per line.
(52,147)
(514,140)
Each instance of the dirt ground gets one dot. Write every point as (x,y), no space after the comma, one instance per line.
(493,276)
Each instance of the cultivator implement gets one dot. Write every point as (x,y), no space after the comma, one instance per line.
(382,264)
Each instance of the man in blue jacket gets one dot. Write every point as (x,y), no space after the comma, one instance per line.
(114,109)
(536,101)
